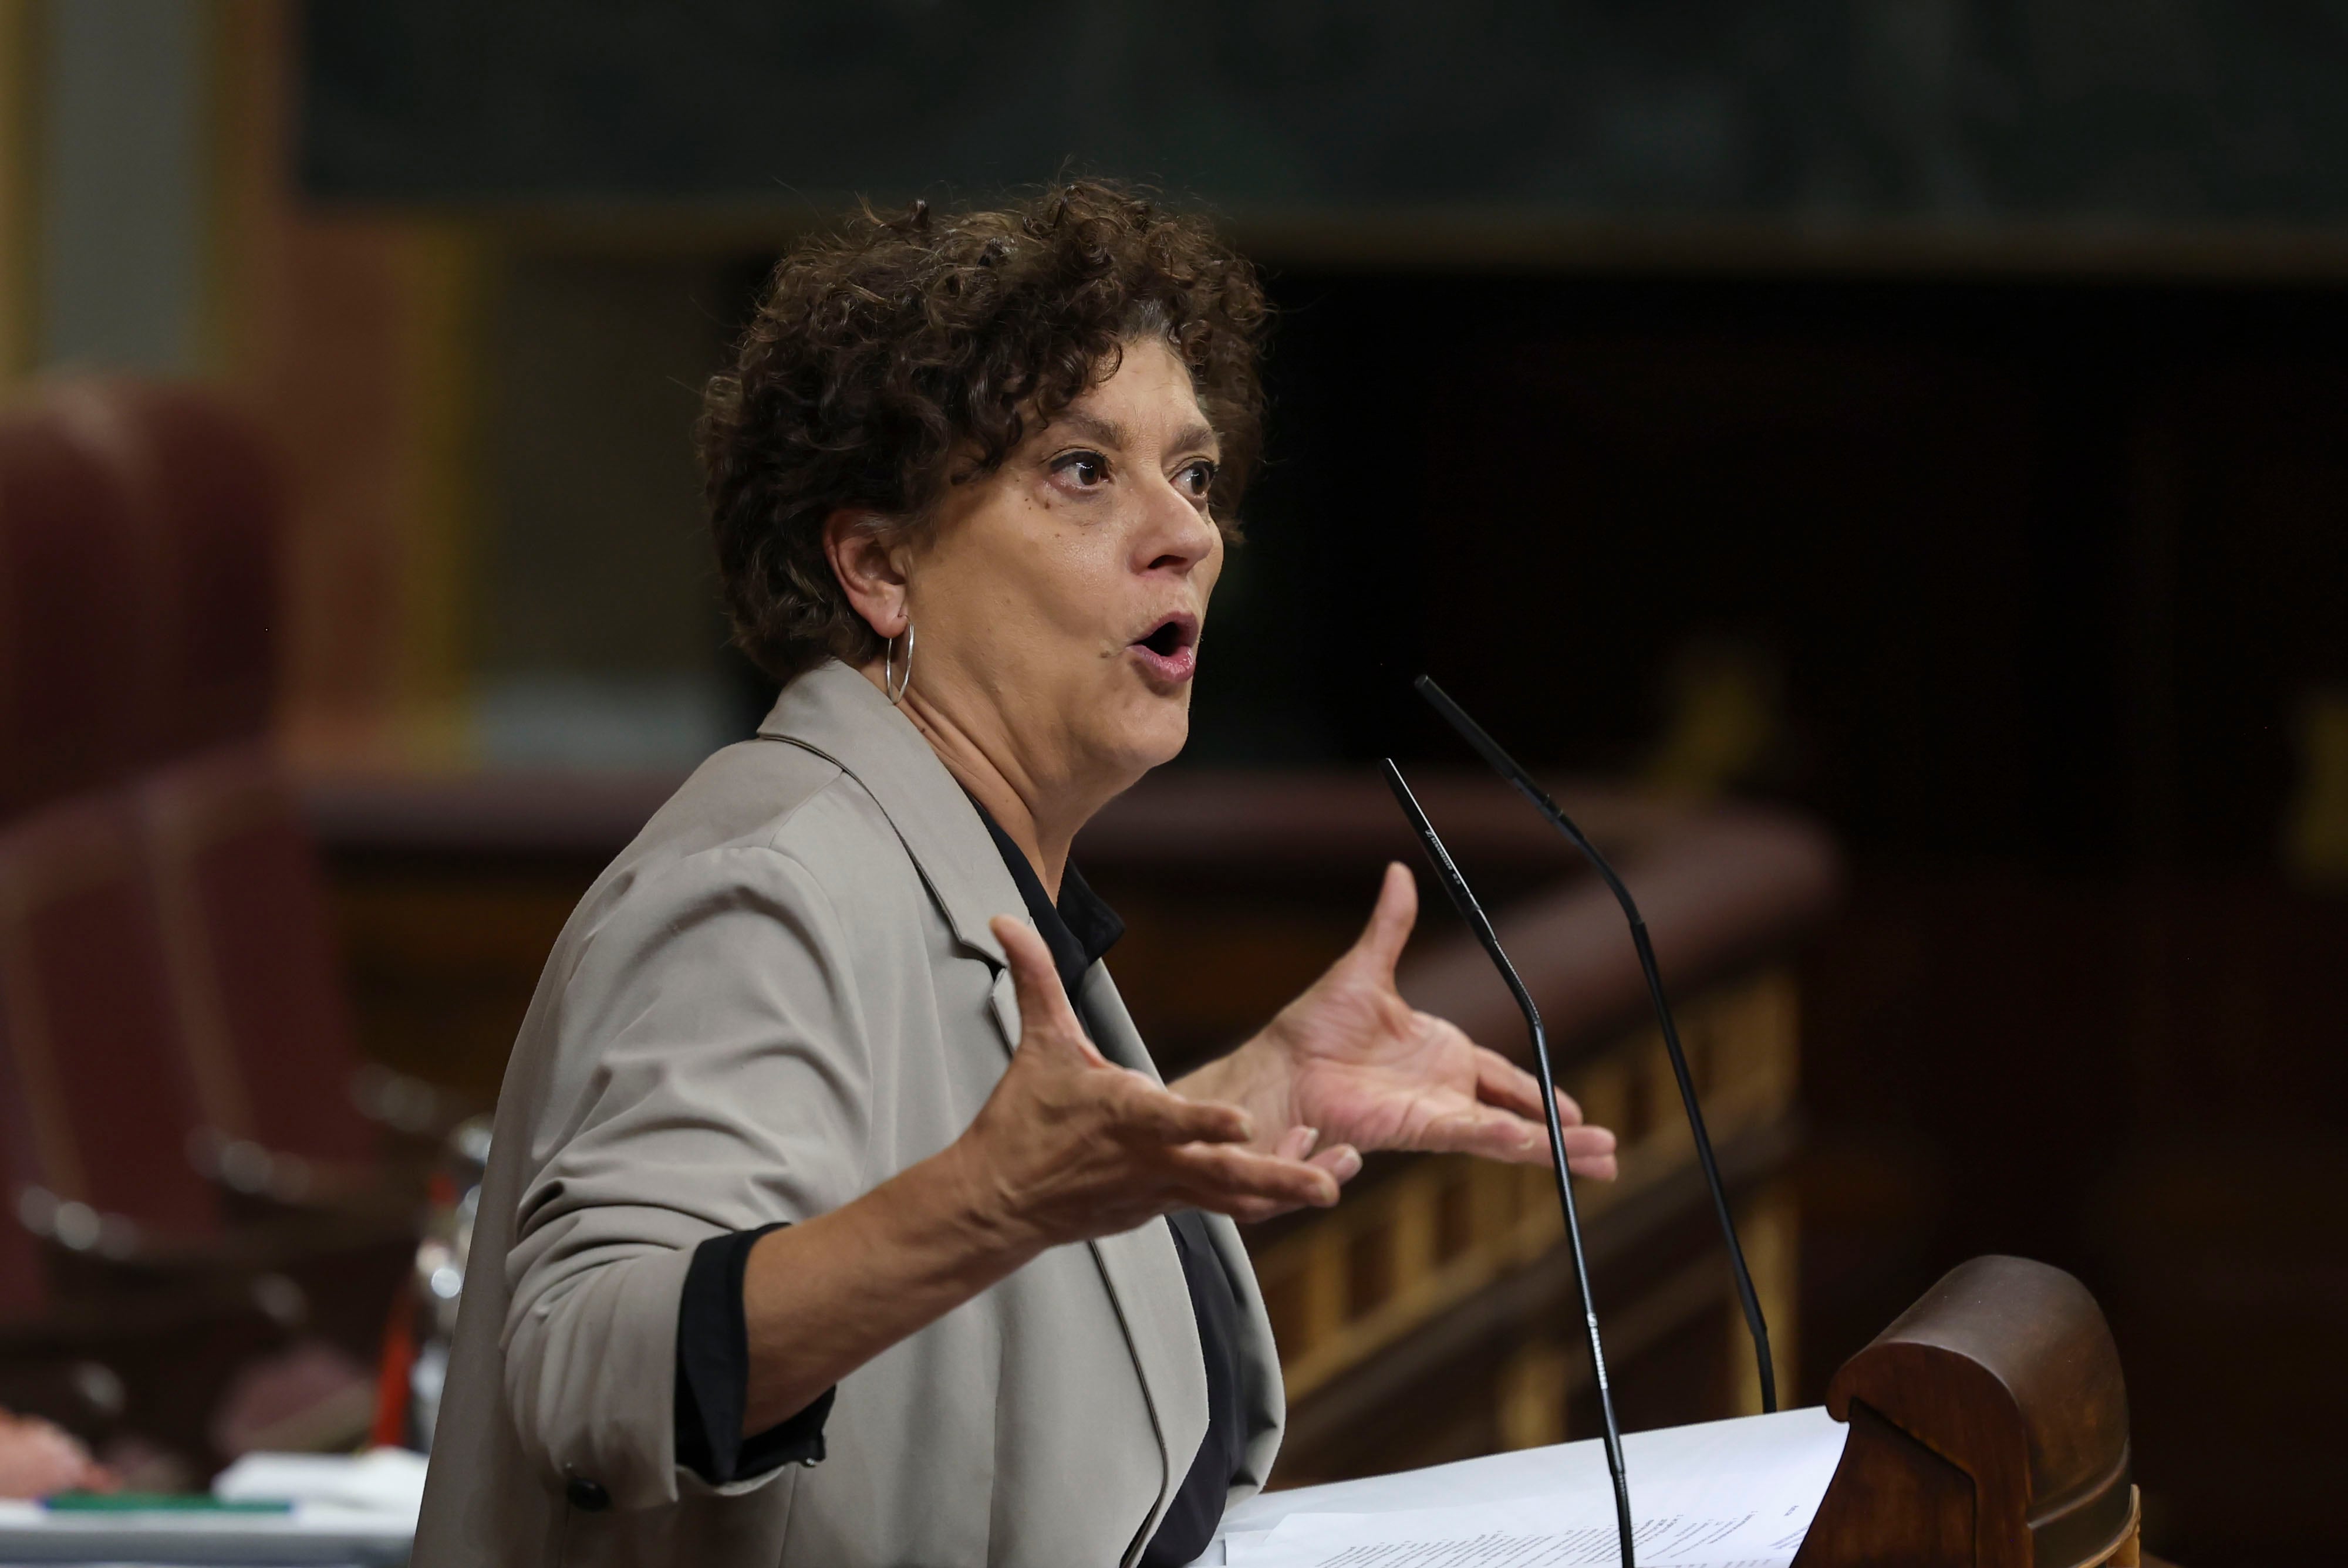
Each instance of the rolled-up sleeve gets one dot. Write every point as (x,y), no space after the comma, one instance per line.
(713,1075)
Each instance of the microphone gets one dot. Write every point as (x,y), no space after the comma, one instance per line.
(1507,768)
(1472,912)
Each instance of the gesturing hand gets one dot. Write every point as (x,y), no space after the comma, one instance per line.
(1352,1059)
(1071,1146)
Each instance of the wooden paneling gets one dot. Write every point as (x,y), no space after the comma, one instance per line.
(354,336)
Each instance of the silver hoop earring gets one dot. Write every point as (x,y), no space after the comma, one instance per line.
(892,683)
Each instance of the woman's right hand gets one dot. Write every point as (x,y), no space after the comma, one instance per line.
(1071,1146)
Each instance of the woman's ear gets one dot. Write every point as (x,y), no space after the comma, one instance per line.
(871,567)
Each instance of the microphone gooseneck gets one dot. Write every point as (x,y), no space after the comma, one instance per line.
(1507,768)
(1472,912)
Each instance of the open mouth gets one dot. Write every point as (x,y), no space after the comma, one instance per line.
(1167,641)
(1169,649)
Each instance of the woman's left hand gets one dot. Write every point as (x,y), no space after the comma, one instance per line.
(1360,1066)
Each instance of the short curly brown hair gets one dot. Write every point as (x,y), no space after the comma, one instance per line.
(906,354)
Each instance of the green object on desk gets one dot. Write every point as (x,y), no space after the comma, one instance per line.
(156,1502)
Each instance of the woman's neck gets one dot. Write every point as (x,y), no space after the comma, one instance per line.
(1041,809)
(1047,851)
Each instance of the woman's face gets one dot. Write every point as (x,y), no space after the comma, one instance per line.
(1057,602)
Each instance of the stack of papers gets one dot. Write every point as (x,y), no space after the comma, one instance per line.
(1726,1494)
(381,1480)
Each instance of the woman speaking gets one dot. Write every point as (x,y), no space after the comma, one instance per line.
(836,1213)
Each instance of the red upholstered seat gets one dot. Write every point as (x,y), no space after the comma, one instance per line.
(240,894)
(76,614)
(90,1025)
(255,979)
(208,508)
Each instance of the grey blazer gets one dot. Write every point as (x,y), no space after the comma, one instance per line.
(783,992)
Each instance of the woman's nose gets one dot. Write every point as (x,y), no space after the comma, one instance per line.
(1179,534)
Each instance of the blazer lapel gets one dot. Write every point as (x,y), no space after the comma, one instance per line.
(1267,1418)
(837,713)
(1144,1276)
(1110,1026)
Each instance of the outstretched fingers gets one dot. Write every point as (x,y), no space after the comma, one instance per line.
(1247,1185)
(1342,1161)
(1496,1133)
(1499,1081)
(1488,1132)
(1169,1118)
(1588,1150)
(1591,1152)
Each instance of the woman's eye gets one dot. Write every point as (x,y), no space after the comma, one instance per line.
(1199,477)
(1087,468)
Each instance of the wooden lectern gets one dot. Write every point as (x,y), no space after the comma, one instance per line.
(1988,1429)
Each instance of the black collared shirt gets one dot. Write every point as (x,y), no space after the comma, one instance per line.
(713,1353)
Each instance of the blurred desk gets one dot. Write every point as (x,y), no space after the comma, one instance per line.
(317,1536)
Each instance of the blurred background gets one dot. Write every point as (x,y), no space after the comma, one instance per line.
(1886,460)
